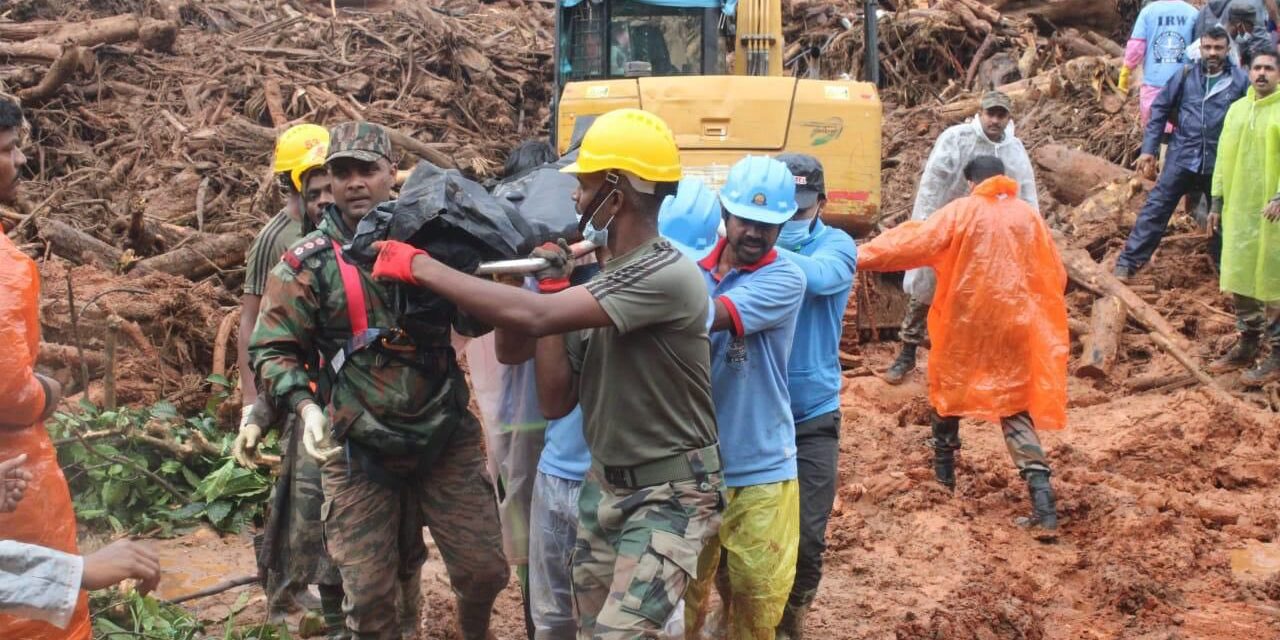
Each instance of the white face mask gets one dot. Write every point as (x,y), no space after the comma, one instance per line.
(598,236)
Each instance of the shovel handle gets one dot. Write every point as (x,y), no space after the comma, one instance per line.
(529,265)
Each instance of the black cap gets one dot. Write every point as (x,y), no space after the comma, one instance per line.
(810,184)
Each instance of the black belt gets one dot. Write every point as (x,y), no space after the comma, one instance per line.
(689,465)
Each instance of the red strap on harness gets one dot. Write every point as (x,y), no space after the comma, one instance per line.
(353,288)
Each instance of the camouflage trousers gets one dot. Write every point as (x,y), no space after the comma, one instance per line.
(1019,437)
(915,324)
(636,552)
(370,530)
(1258,318)
(305,559)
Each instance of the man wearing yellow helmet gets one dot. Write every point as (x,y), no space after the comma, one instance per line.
(631,347)
(304,183)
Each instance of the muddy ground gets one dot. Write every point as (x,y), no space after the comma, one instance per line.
(1170,517)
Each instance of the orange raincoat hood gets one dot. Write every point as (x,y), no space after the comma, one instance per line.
(999,319)
(44,516)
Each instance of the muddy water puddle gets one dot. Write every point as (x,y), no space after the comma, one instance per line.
(1256,560)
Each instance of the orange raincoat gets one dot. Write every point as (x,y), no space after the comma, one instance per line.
(999,318)
(44,516)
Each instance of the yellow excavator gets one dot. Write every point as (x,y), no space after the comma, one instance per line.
(714,70)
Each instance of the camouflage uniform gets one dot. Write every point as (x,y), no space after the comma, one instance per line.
(412,451)
(302,559)
(1019,437)
(635,555)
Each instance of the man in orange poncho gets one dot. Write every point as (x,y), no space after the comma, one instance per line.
(44,517)
(998,321)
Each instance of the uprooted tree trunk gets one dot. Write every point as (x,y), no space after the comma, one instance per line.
(1072,174)
(1102,343)
(202,256)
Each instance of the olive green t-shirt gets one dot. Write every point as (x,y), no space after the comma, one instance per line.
(281,232)
(644,384)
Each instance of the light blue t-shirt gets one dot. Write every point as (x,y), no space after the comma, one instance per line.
(564,450)
(749,368)
(565,454)
(828,258)
(1167,26)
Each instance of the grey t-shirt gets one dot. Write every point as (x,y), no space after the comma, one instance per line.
(645,383)
(281,232)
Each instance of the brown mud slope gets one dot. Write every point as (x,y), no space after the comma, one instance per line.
(1160,495)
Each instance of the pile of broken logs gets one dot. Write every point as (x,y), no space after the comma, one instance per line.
(152,132)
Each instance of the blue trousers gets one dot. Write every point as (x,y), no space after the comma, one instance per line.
(1174,183)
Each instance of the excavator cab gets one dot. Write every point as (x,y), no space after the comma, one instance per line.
(601,40)
(713,69)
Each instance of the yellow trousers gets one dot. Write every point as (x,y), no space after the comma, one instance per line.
(760,536)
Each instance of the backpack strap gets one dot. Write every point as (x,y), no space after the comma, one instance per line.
(353,289)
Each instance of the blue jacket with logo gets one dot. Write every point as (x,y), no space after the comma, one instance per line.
(1197,113)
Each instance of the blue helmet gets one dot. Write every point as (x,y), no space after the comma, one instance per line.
(690,217)
(760,188)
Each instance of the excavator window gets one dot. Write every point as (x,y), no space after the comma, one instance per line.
(627,38)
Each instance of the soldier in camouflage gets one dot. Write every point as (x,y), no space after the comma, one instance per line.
(301,559)
(394,400)
(630,346)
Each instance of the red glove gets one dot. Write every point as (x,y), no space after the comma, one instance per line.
(395,261)
(555,276)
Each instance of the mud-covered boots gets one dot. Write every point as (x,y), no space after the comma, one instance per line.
(903,365)
(945,442)
(1267,371)
(335,621)
(1240,356)
(1043,521)
(792,625)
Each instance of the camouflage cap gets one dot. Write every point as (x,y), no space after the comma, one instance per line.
(364,141)
(990,100)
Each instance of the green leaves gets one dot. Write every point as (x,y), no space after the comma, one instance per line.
(111,490)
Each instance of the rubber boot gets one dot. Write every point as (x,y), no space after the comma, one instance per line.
(1043,521)
(335,621)
(945,442)
(1240,356)
(903,365)
(792,625)
(1266,372)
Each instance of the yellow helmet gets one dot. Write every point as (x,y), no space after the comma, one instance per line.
(313,160)
(630,140)
(294,145)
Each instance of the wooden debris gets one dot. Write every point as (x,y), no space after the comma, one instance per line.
(1071,173)
(1082,270)
(1103,340)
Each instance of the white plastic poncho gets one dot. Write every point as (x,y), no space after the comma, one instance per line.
(943,181)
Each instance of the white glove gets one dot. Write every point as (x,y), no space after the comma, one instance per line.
(315,433)
(245,447)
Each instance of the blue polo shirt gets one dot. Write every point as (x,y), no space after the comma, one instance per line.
(564,449)
(829,259)
(749,367)
(565,454)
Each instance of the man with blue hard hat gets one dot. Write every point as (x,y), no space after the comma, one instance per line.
(690,218)
(756,295)
(828,257)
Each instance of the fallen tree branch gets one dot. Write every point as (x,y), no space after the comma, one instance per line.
(201,257)
(225,585)
(420,149)
(1082,270)
(76,245)
(58,74)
